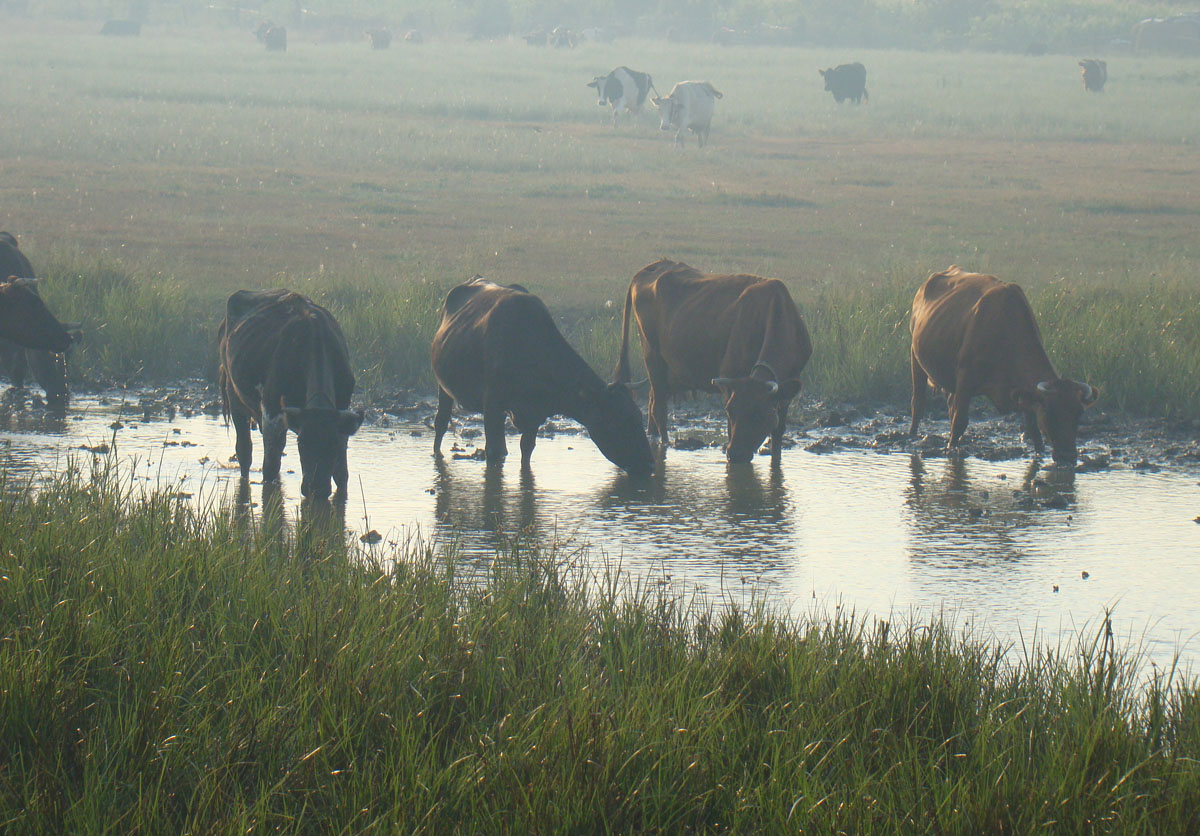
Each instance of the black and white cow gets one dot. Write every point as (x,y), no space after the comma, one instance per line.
(623,89)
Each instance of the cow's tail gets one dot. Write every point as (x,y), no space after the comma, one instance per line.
(621,374)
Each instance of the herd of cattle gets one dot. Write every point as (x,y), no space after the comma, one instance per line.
(285,365)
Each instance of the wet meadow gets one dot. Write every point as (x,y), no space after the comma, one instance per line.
(168,665)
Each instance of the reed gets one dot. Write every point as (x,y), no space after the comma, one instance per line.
(168,669)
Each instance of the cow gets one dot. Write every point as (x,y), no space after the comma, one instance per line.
(689,106)
(846,81)
(284,365)
(414,36)
(623,89)
(49,367)
(498,351)
(1095,74)
(380,38)
(25,319)
(275,38)
(973,334)
(121,28)
(740,335)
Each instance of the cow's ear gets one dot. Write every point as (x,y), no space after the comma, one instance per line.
(295,417)
(1026,399)
(788,390)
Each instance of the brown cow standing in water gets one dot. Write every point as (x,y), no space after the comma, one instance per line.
(285,365)
(498,351)
(25,319)
(739,334)
(973,334)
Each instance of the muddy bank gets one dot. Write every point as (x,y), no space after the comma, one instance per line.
(1106,439)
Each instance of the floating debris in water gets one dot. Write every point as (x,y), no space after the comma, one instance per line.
(1084,575)
(98,449)
(1056,587)
(371,537)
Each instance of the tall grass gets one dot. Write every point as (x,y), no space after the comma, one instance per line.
(167,669)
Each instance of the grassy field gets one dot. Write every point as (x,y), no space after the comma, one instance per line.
(168,670)
(150,177)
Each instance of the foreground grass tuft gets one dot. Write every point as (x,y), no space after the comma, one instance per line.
(167,670)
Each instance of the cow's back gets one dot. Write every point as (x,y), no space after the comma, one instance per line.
(958,317)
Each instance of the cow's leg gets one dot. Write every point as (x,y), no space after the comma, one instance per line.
(1033,433)
(960,405)
(341,471)
(274,433)
(777,434)
(920,391)
(495,448)
(528,428)
(244,446)
(442,419)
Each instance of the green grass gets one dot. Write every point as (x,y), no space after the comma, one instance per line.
(150,178)
(167,669)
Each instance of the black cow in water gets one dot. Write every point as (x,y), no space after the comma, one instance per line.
(497,351)
(26,321)
(16,360)
(285,365)
(846,81)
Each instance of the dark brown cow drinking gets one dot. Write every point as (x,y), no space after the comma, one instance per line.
(739,334)
(973,334)
(285,365)
(498,351)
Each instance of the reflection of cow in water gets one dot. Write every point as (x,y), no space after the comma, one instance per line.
(498,351)
(49,367)
(285,365)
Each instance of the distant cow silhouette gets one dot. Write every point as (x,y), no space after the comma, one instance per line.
(1095,74)
(380,38)
(275,37)
(846,81)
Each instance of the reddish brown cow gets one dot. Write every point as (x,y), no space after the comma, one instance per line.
(739,334)
(976,335)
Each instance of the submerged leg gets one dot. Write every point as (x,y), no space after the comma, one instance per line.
(1033,433)
(274,433)
(495,447)
(960,406)
(920,391)
(442,419)
(777,434)
(244,446)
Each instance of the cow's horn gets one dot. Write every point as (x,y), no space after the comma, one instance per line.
(722,381)
(1087,392)
(773,386)
(20,282)
(1045,387)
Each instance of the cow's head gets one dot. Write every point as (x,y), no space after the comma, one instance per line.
(753,409)
(668,111)
(321,436)
(1058,405)
(599,83)
(618,431)
(25,319)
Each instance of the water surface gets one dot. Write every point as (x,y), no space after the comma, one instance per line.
(1002,546)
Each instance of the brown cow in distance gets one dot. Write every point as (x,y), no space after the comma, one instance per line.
(1094,73)
(498,351)
(285,365)
(739,334)
(973,334)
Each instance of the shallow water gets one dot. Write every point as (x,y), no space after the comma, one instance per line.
(887,534)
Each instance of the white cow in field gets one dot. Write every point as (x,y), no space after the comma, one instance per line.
(689,106)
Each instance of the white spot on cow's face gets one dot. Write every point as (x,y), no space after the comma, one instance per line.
(274,429)
(666,112)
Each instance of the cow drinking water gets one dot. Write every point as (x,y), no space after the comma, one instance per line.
(498,351)
(973,334)
(740,335)
(285,365)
